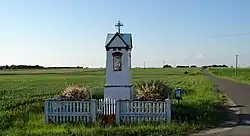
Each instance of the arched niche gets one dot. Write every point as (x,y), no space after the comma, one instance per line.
(117,61)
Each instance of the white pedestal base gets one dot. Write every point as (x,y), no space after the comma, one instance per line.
(118,92)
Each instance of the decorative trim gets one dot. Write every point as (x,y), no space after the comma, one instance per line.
(119,85)
(116,54)
(117,34)
(117,48)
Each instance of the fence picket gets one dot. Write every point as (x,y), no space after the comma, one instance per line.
(130,111)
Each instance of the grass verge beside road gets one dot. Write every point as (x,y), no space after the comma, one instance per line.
(242,74)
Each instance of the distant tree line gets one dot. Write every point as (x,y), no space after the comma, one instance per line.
(64,67)
(215,66)
(194,66)
(32,67)
(21,67)
(167,66)
(179,66)
(42,67)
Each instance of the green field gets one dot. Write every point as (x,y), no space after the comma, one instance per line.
(22,95)
(243,74)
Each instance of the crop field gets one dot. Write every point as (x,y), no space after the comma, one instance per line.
(22,95)
(243,74)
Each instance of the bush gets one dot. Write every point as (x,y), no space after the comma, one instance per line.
(75,93)
(167,66)
(193,66)
(97,93)
(152,90)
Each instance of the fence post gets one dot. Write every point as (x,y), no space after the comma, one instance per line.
(46,108)
(117,112)
(169,103)
(94,110)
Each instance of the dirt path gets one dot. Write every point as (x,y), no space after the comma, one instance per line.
(240,94)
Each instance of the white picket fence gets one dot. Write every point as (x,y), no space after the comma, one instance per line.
(125,111)
(106,106)
(130,111)
(70,111)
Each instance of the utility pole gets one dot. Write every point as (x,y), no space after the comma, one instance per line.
(236,64)
(144,64)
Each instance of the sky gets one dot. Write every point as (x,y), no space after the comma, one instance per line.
(73,32)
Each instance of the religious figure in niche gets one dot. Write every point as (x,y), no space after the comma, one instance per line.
(117,61)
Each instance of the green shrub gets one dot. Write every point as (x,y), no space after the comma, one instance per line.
(155,89)
(75,93)
(97,93)
(194,73)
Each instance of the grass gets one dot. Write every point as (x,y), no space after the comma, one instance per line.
(22,95)
(243,74)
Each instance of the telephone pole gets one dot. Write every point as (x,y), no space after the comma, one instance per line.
(236,64)
(144,64)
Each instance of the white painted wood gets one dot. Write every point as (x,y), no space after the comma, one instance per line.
(141,111)
(106,106)
(94,110)
(125,75)
(129,111)
(118,83)
(46,110)
(70,111)
(119,93)
(168,103)
(117,42)
(125,36)
(117,112)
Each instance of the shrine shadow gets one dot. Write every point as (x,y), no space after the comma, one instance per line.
(244,120)
(236,106)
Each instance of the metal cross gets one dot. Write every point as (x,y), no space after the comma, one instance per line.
(118,25)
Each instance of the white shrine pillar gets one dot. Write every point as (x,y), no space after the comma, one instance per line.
(118,66)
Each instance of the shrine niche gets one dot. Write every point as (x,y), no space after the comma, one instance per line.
(117,61)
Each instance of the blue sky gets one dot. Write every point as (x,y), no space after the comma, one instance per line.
(73,32)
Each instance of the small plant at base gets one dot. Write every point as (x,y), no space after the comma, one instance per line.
(75,93)
(186,72)
(155,89)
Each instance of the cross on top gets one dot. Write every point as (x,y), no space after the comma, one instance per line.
(118,25)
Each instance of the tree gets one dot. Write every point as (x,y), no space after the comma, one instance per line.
(204,67)
(182,66)
(167,66)
(21,67)
(217,66)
